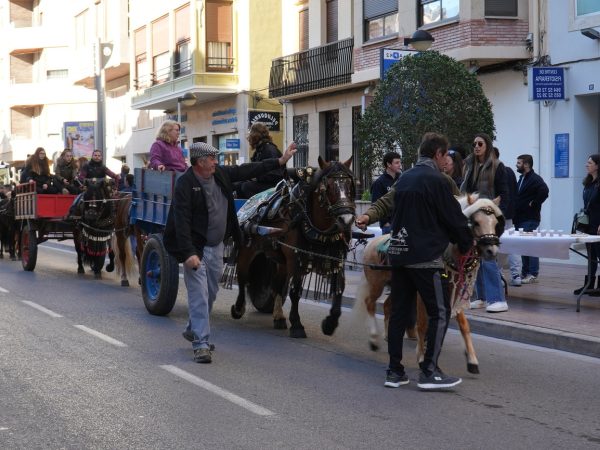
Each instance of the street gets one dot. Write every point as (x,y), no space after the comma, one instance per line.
(84,366)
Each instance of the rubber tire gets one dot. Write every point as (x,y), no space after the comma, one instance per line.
(261,272)
(159,295)
(28,248)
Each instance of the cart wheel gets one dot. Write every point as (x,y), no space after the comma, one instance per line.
(28,248)
(160,277)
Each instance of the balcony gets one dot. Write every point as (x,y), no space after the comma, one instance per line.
(317,68)
(163,74)
(34,39)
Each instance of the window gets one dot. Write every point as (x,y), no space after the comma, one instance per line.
(431,11)
(332,20)
(142,75)
(219,36)
(57,74)
(380,18)
(501,8)
(584,7)
(303,28)
(161,61)
(300,131)
(332,135)
(183,61)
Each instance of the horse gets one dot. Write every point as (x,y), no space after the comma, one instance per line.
(312,233)
(8,227)
(487,224)
(121,243)
(93,232)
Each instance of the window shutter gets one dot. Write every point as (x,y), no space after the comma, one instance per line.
(303,38)
(332,21)
(140,41)
(182,24)
(160,36)
(502,8)
(375,8)
(219,27)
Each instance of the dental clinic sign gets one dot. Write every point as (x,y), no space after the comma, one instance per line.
(546,83)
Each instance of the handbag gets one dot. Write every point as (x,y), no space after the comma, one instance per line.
(581,222)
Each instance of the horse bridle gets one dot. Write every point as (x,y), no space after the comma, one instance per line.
(489,238)
(342,205)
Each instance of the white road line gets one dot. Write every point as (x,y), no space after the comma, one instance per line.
(4,291)
(41,308)
(54,249)
(233,398)
(102,336)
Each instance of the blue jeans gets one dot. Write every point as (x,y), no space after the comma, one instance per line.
(202,287)
(531,264)
(489,282)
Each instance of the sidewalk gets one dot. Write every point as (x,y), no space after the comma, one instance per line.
(540,314)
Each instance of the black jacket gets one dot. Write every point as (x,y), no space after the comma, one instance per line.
(426,216)
(379,188)
(267,150)
(530,197)
(511,182)
(478,182)
(187,222)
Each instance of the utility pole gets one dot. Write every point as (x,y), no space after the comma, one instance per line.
(102,54)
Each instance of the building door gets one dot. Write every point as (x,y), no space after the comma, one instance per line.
(332,135)
(301,139)
(229,145)
(363,178)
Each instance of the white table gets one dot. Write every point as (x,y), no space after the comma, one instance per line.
(555,246)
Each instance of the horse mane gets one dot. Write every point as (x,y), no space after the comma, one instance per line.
(471,203)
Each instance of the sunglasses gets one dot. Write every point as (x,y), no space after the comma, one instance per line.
(451,152)
(478,144)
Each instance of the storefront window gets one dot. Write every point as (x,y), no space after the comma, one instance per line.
(588,7)
(229,145)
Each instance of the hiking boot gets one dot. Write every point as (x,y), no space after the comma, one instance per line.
(529,279)
(515,281)
(189,335)
(202,356)
(394,380)
(497,307)
(437,380)
(477,304)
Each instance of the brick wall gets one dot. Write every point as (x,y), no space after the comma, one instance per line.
(483,32)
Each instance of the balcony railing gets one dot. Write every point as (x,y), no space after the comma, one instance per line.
(316,68)
(218,57)
(164,74)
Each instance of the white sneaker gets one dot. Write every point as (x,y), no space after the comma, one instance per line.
(515,281)
(497,307)
(477,304)
(529,279)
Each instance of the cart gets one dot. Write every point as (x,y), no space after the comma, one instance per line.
(43,217)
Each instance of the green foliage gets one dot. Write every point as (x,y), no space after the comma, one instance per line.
(366,196)
(424,92)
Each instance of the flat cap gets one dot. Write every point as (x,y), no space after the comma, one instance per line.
(202,150)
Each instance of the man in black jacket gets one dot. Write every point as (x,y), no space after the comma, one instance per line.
(426,218)
(532,191)
(202,215)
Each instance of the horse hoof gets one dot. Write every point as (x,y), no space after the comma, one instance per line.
(124,283)
(373,346)
(235,313)
(280,324)
(97,276)
(472,368)
(110,268)
(297,333)
(328,326)
(80,270)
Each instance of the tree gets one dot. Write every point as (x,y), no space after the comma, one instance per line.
(424,92)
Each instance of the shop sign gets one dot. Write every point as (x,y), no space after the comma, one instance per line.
(220,116)
(232,144)
(79,137)
(561,155)
(269,118)
(546,83)
(390,56)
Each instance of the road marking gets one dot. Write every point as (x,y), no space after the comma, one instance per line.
(41,308)
(102,336)
(233,398)
(4,291)
(70,252)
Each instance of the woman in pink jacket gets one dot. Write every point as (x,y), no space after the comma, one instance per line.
(165,153)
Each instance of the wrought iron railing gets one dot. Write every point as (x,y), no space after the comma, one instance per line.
(316,68)
(218,57)
(163,74)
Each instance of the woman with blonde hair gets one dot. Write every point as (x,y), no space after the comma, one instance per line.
(38,171)
(260,140)
(165,153)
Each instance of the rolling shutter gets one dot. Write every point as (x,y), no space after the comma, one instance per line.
(502,8)
(376,8)
(332,21)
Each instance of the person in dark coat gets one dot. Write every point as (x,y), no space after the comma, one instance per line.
(201,216)
(66,172)
(392,165)
(260,140)
(95,168)
(532,191)
(38,171)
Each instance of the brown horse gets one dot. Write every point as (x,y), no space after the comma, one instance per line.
(123,230)
(487,224)
(314,223)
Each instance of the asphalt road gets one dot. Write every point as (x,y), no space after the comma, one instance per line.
(84,366)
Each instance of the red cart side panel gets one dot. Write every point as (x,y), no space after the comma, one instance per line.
(50,205)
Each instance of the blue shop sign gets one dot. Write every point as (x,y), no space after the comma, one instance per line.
(546,83)
(232,144)
(390,56)
(561,155)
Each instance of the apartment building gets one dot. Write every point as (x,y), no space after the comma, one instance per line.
(37,89)
(333,62)
(220,52)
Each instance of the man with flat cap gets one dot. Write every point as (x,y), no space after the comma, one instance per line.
(202,215)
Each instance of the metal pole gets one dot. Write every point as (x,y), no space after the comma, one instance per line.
(179,111)
(100,105)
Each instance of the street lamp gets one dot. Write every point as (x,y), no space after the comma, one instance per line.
(188,99)
(421,40)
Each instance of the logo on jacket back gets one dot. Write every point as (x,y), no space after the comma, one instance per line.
(398,242)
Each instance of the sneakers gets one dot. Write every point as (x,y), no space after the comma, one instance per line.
(202,356)
(477,304)
(497,307)
(394,380)
(189,335)
(515,281)
(437,380)
(529,279)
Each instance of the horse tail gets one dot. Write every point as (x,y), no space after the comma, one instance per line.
(130,267)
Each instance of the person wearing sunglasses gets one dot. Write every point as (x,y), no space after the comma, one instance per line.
(485,174)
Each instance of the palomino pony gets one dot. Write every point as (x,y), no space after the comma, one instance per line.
(123,230)
(92,234)
(313,227)
(487,224)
